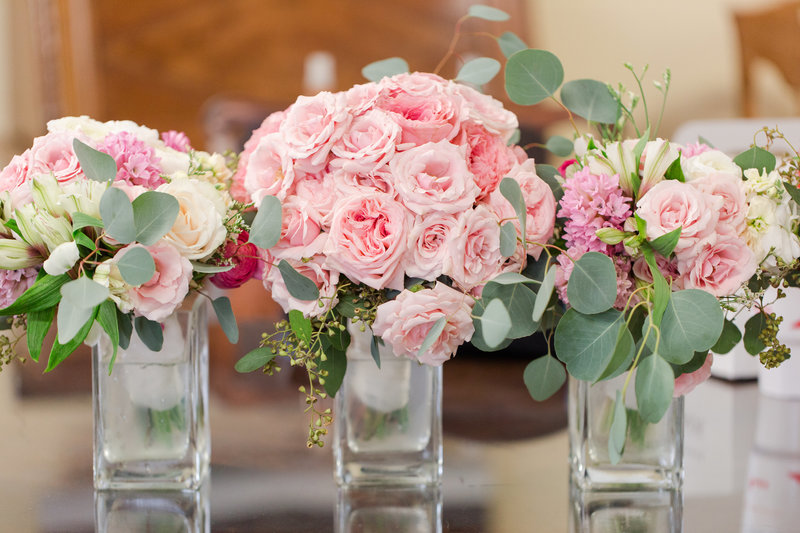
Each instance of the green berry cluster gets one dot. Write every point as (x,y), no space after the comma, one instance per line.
(776,353)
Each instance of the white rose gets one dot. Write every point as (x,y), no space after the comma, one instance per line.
(199,229)
(89,127)
(62,258)
(709,162)
(171,161)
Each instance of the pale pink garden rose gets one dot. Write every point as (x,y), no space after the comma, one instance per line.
(671,204)
(301,234)
(719,264)
(732,190)
(270,171)
(708,162)
(320,191)
(361,98)
(368,143)
(312,126)
(428,245)
(488,157)
(686,383)
(473,251)
(488,112)
(434,177)
(667,267)
(368,240)
(424,105)
(347,183)
(325,280)
(158,298)
(403,323)
(15,178)
(53,153)
(270,125)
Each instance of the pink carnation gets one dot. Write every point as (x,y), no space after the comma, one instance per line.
(686,383)
(137,163)
(244,257)
(13,283)
(159,297)
(404,322)
(177,140)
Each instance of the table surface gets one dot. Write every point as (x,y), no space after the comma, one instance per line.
(264,479)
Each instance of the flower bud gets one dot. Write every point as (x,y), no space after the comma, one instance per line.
(47,194)
(610,235)
(62,258)
(16,254)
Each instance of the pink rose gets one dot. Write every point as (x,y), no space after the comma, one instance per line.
(53,153)
(434,177)
(320,191)
(426,107)
(269,169)
(719,264)
(246,262)
(300,231)
(325,280)
(488,112)
(671,204)
(734,200)
(667,267)
(691,150)
(473,251)
(270,125)
(428,245)
(159,297)
(361,98)
(488,157)
(685,383)
(349,183)
(16,179)
(368,143)
(404,322)
(312,126)
(368,239)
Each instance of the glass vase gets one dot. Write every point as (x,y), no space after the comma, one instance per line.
(150,413)
(406,509)
(653,454)
(387,420)
(158,511)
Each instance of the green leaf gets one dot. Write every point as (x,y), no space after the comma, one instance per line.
(81,239)
(638,150)
(692,322)
(510,278)
(60,351)
(549,174)
(97,166)
(84,293)
(487,13)
(519,300)
(136,266)
(496,323)
(622,357)
(793,191)
(203,268)
(592,286)
(117,214)
(619,430)
(383,69)
(375,351)
(107,318)
(150,333)
(254,359)
(587,343)
(532,76)
(666,243)
(298,285)
(38,324)
(347,305)
(43,294)
(265,231)
(752,329)
(477,337)
(511,191)
(729,338)
(508,239)
(82,220)
(756,158)
(340,339)
(661,290)
(675,171)
(694,364)
(301,326)
(655,382)
(335,364)
(591,100)
(478,71)
(543,377)
(544,294)
(71,320)
(125,327)
(433,335)
(560,146)
(222,307)
(154,214)
(510,44)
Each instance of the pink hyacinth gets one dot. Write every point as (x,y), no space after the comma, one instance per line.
(13,283)
(137,163)
(177,140)
(590,202)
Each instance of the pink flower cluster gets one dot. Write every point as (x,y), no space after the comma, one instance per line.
(390,180)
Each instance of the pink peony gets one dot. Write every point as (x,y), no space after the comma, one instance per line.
(671,204)
(368,240)
(428,245)
(719,264)
(246,263)
(732,190)
(488,157)
(368,143)
(165,291)
(312,126)
(13,283)
(325,280)
(271,124)
(685,383)
(434,177)
(137,163)
(488,112)
(53,153)
(300,232)
(177,140)
(473,250)
(269,169)
(404,322)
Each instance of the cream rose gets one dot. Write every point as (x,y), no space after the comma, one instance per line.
(199,228)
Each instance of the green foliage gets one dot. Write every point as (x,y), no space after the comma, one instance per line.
(532,75)
(82,220)
(254,359)
(729,338)
(79,299)
(694,364)
(375,351)
(560,146)
(265,231)
(478,71)
(619,430)
(622,357)
(136,266)
(154,214)
(510,44)
(61,351)
(518,300)
(117,214)
(756,158)
(692,322)
(149,332)
(655,382)
(508,239)
(226,318)
(384,68)
(97,166)
(107,318)
(487,13)
(544,294)
(793,191)
(432,336)
(543,377)
(511,192)
(591,100)
(661,289)
(82,240)
(298,285)
(675,171)
(477,337)
(752,329)
(496,323)
(38,324)
(125,328)
(43,294)
(549,174)
(586,343)
(666,243)
(335,364)
(592,286)
(203,268)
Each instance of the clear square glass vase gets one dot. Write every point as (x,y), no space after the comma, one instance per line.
(151,426)
(387,420)
(653,454)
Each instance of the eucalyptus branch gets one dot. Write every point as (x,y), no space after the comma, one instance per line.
(452,48)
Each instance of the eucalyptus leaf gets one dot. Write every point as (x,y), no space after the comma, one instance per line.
(623,355)
(560,146)
(511,191)
(510,44)
(254,359)
(298,285)
(62,349)
(154,214)
(752,329)
(136,266)
(510,278)
(37,325)
(487,13)
(71,319)
(107,318)
(694,364)
(375,351)
(756,158)
(125,327)
(619,430)
(204,268)
(516,135)
(519,300)
(150,333)
(432,336)
(793,191)
(532,75)
(692,322)
(97,165)
(549,174)
(655,382)
(592,286)
(543,377)
(496,323)
(82,220)
(265,232)
(384,68)
(544,294)
(84,293)
(508,239)
(477,337)
(586,343)
(117,214)
(661,290)
(226,318)
(591,100)
(729,338)
(43,294)
(478,71)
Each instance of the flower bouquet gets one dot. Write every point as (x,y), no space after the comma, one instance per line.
(393,203)
(108,228)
